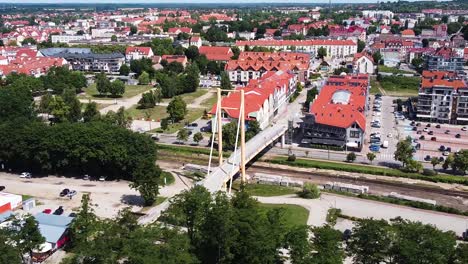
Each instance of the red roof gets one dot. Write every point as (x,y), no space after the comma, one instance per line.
(175,58)
(441,78)
(216,53)
(256,93)
(363,54)
(270,61)
(407,32)
(180,30)
(328,110)
(316,42)
(142,50)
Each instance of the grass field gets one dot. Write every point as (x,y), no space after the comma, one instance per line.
(156,113)
(266,190)
(400,86)
(383,68)
(189,97)
(294,215)
(130,91)
(375,85)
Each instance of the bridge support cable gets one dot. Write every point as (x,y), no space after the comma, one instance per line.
(231,174)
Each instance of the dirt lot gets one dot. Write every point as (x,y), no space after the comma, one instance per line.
(107,197)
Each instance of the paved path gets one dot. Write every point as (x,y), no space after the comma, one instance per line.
(369,209)
(114,105)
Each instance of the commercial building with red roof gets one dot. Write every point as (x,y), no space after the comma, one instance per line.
(214,53)
(335,48)
(338,114)
(443,97)
(264,98)
(252,65)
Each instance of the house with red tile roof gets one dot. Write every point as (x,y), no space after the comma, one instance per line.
(338,114)
(217,17)
(363,63)
(408,33)
(443,97)
(178,30)
(335,48)
(252,65)
(215,53)
(182,59)
(340,31)
(264,98)
(34,66)
(137,53)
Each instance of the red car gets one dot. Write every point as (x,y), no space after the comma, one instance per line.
(47,211)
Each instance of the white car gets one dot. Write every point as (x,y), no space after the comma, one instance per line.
(376,114)
(426,129)
(26,175)
(464,129)
(389,135)
(102,178)
(446,153)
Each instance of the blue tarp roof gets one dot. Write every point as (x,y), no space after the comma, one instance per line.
(53,220)
(51,233)
(5,216)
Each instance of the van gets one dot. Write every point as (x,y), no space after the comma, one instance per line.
(385,144)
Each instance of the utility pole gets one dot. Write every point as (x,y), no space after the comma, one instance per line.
(242,128)
(219,129)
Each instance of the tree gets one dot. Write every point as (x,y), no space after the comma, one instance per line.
(461,254)
(435,161)
(460,161)
(175,67)
(119,118)
(300,248)
(377,57)
(59,109)
(84,225)
(414,165)
(192,80)
(144,78)
(322,52)
(146,181)
(192,53)
(133,30)
(448,161)
(91,112)
(164,123)
(225,81)
(114,38)
(197,137)
(149,99)
(361,45)
(311,94)
(371,242)
(124,70)
(103,85)
(28,237)
(29,41)
(351,157)
(117,88)
(309,191)
(371,156)
(177,109)
(183,135)
(74,105)
(327,243)
(9,253)
(404,151)
(16,102)
(418,63)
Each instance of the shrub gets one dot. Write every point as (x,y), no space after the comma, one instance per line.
(429,172)
(292,158)
(332,215)
(351,157)
(309,191)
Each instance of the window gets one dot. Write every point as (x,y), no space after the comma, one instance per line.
(354,134)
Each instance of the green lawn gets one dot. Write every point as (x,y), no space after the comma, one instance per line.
(374,86)
(209,102)
(294,215)
(266,190)
(25,197)
(400,86)
(383,68)
(189,97)
(192,115)
(130,91)
(156,113)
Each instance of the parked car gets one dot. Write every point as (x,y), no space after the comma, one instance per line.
(419,132)
(72,215)
(64,192)
(441,159)
(194,125)
(155,137)
(457,136)
(2,188)
(448,149)
(442,148)
(422,137)
(102,178)
(426,129)
(418,124)
(427,158)
(413,123)
(390,135)
(415,128)
(71,193)
(346,234)
(446,153)
(26,175)
(59,211)
(430,132)
(433,139)
(47,211)
(437,126)
(464,128)
(428,125)
(86,177)
(447,132)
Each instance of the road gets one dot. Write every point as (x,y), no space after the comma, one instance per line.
(369,209)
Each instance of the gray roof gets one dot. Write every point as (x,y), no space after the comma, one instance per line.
(53,220)
(52,234)
(53,51)
(4,216)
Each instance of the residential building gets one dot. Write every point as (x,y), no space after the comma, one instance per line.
(252,65)
(443,97)
(137,53)
(335,48)
(347,32)
(446,59)
(82,59)
(265,98)
(68,38)
(215,53)
(363,63)
(338,114)
(377,14)
(391,56)
(182,59)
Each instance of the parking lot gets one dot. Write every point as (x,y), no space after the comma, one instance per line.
(436,140)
